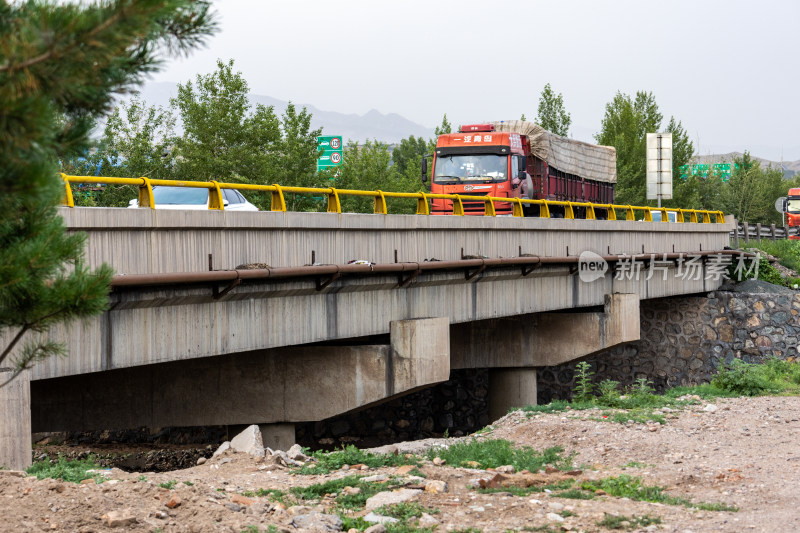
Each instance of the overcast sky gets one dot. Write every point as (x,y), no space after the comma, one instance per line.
(727,69)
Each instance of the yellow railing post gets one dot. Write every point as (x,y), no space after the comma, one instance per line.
(568,212)
(488,207)
(380,203)
(215,197)
(277,201)
(719,217)
(629,213)
(590,212)
(422,204)
(648,217)
(334,206)
(544,209)
(611,213)
(146,193)
(516,208)
(68,201)
(706,217)
(458,206)
(680,215)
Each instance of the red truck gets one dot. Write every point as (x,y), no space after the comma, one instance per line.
(517,159)
(792,209)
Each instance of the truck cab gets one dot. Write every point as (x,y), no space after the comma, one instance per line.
(793,210)
(476,161)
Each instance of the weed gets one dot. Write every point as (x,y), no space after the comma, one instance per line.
(744,379)
(274,495)
(567,514)
(405,511)
(169,485)
(628,522)
(497,452)
(525,491)
(188,483)
(249,494)
(64,470)
(142,479)
(553,407)
(350,455)
(575,494)
(583,382)
(626,486)
(635,464)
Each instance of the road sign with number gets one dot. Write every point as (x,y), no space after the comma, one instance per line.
(330,146)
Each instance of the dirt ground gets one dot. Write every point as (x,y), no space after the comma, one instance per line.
(740,452)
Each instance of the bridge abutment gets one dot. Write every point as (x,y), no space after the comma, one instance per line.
(15,420)
(510,388)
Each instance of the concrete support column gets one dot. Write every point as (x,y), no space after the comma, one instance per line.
(15,420)
(277,436)
(510,387)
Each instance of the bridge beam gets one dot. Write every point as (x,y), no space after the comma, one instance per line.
(544,339)
(282,385)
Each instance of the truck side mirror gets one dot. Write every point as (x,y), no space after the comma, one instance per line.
(521,162)
(424,169)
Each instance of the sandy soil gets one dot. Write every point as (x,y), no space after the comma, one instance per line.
(741,452)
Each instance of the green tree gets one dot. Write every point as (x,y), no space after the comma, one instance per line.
(295,160)
(368,167)
(137,141)
(222,139)
(751,191)
(625,126)
(551,114)
(60,65)
(409,153)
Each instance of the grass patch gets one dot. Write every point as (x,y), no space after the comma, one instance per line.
(635,464)
(555,406)
(746,379)
(327,462)
(405,511)
(498,452)
(274,495)
(630,487)
(188,483)
(628,522)
(73,471)
(525,491)
(169,485)
(345,503)
(575,494)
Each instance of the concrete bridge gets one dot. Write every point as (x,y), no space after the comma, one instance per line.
(282,317)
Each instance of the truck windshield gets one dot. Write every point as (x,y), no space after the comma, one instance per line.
(459,168)
(793,205)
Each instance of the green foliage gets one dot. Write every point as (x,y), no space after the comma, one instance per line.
(329,461)
(583,382)
(405,511)
(274,495)
(368,167)
(492,453)
(751,191)
(625,126)
(551,114)
(73,471)
(575,494)
(60,65)
(555,406)
(787,251)
(525,491)
(628,522)
(626,486)
(745,379)
(169,485)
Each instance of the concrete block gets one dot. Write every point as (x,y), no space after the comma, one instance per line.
(15,420)
(249,441)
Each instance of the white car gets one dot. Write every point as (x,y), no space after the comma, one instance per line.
(195,198)
(672,216)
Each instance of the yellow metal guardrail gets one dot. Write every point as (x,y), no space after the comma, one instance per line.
(278,203)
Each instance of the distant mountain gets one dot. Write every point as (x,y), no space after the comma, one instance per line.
(389,128)
(790,168)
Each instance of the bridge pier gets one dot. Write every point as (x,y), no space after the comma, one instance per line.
(510,388)
(277,436)
(15,421)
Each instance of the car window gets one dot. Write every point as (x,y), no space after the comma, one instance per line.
(180,195)
(242,199)
(230,195)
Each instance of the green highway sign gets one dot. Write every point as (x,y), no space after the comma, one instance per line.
(331,148)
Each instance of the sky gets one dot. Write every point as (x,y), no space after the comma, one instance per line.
(727,69)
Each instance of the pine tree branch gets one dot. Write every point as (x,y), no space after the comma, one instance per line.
(14,342)
(51,53)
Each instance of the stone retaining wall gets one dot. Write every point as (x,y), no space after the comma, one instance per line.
(683,341)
